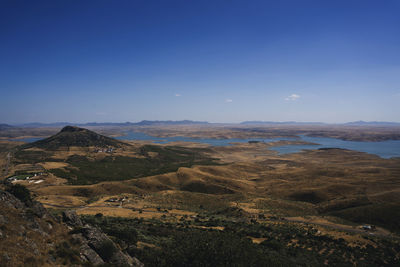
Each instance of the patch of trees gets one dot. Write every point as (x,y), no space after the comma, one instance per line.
(20,192)
(184,243)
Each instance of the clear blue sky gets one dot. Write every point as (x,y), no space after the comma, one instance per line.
(220,61)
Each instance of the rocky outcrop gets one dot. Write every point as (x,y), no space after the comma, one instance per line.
(28,232)
(90,255)
(96,247)
(71,218)
(10,201)
(31,236)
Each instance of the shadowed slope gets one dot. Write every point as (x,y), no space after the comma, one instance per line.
(75,136)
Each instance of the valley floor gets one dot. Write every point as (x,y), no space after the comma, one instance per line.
(328,206)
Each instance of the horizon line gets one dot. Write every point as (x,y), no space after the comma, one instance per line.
(200,122)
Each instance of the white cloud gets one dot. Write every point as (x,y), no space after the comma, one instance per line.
(177,95)
(292,97)
(228,100)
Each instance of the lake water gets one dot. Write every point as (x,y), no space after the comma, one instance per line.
(27,140)
(209,141)
(384,149)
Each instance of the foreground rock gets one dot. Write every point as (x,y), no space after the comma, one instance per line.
(97,247)
(31,236)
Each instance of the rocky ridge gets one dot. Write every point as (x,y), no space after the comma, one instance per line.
(31,236)
(96,247)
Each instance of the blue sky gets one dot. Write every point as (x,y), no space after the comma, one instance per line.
(219,61)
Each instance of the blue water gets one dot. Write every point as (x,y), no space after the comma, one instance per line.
(27,140)
(209,141)
(384,149)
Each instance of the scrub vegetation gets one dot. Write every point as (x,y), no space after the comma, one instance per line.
(195,243)
(186,204)
(116,168)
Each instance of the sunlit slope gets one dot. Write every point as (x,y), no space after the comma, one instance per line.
(346,184)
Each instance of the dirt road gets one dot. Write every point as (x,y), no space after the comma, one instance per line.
(346,228)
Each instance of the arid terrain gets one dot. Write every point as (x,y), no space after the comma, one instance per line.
(199,133)
(329,206)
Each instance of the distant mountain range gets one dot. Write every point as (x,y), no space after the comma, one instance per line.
(141,123)
(145,122)
(190,122)
(355,123)
(381,123)
(281,122)
(5,126)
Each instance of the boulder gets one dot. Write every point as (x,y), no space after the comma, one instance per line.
(71,218)
(11,200)
(107,249)
(88,254)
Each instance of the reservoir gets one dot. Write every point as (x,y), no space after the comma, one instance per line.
(384,149)
(27,140)
(209,141)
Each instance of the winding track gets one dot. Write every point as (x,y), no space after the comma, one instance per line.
(344,228)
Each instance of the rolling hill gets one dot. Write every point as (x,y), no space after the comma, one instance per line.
(75,136)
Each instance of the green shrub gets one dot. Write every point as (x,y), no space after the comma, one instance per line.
(20,192)
(67,253)
(272,244)
(106,250)
(169,159)
(383,214)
